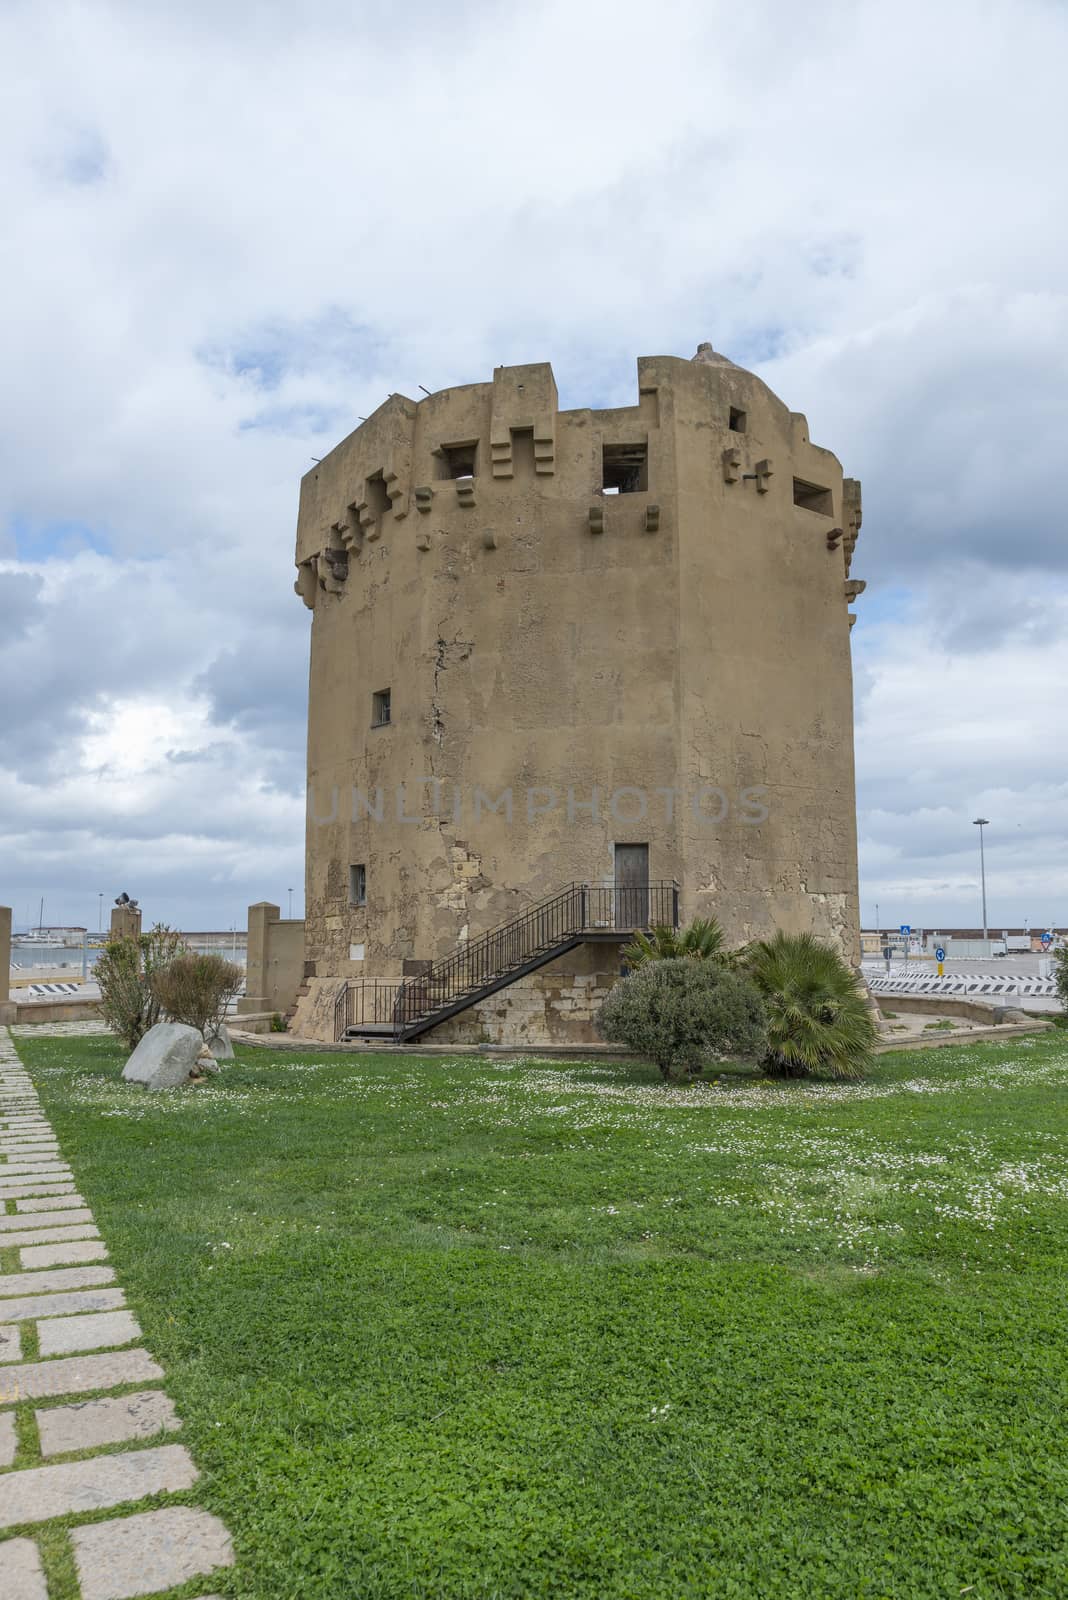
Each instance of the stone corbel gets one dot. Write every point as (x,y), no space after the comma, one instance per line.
(333,568)
(652,518)
(854,587)
(732,464)
(501,450)
(307,584)
(545,444)
(424,498)
(764,470)
(465,492)
(597,519)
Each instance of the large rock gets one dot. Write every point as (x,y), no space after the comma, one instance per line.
(166,1056)
(221,1045)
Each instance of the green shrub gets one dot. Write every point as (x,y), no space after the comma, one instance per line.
(1060,973)
(197,990)
(278,1022)
(818,1016)
(126,973)
(682,1013)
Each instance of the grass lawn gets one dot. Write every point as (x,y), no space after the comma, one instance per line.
(462,1329)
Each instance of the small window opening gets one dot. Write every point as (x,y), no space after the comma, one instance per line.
(377,496)
(625,468)
(523,452)
(812,497)
(358,891)
(380,708)
(737,420)
(457,460)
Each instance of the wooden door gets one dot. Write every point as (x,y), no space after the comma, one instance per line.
(632,885)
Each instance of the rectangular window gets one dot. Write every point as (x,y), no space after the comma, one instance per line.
(380,708)
(812,497)
(737,420)
(358,889)
(457,460)
(625,468)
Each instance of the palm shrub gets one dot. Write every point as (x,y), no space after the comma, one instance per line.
(702,940)
(126,974)
(682,1012)
(818,1018)
(1060,973)
(197,990)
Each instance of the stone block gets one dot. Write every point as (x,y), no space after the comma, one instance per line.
(166,1056)
(49,1282)
(95,1330)
(8,1440)
(141,1555)
(52,1202)
(50,1165)
(32,1306)
(24,1577)
(221,1045)
(90,1423)
(10,1343)
(12,1190)
(38,1494)
(53,1219)
(41,1234)
(61,1255)
(39,1380)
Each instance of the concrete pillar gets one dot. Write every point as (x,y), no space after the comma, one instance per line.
(125,922)
(7,1009)
(260,916)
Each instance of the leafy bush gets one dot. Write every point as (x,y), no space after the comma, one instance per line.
(197,990)
(681,1012)
(126,973)
(818,1016)
(702,940)
(1060,973)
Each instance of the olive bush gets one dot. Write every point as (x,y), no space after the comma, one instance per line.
(683,1013)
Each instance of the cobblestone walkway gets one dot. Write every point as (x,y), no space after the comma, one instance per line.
(75,1383)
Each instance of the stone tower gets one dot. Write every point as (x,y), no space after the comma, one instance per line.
(574,646)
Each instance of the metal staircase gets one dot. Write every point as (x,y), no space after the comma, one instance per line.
(583,913)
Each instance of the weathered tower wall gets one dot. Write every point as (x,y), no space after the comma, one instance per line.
(570,668)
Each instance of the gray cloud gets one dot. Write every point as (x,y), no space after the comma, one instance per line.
(216,296)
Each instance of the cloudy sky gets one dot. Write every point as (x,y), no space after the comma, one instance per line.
(231,229)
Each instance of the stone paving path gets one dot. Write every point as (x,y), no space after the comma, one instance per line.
(66,1338)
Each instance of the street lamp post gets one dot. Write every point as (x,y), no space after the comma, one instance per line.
(981,823)
(290,905)
(100,912)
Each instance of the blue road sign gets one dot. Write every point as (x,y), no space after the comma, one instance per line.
(906,928)
(940,954)
(1047,939)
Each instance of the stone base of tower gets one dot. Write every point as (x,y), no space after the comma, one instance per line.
(556,1006)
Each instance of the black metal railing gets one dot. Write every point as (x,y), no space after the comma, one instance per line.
(364,1002)
(582,908)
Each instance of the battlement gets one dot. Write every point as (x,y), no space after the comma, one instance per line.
(477,461)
